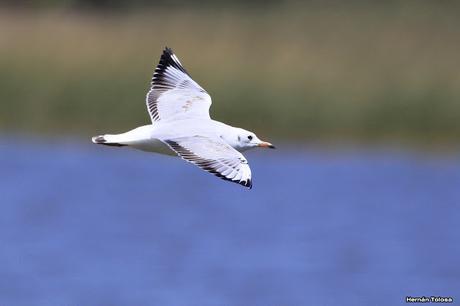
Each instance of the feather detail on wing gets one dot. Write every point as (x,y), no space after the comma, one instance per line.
(213,156)
(174,94)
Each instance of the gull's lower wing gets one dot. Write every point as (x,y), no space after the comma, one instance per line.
(213,156)
(174,94)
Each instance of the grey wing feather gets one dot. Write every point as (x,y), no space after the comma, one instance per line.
(173,93)
(215,157)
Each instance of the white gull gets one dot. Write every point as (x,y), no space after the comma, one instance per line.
(181,125)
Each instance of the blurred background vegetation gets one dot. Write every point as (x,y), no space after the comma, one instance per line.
(317,71)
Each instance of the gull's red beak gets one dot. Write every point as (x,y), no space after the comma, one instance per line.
(265,144)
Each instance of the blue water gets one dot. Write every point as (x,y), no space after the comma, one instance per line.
(90,225)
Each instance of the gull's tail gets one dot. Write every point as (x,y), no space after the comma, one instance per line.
(138,137)
(107,140)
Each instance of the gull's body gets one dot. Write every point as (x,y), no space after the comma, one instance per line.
(181,125)
(151,137)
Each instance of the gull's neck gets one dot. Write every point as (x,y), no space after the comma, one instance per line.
(230,135)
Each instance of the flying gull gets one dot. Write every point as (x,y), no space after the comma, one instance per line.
(181,125)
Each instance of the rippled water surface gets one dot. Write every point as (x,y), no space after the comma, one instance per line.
(89,225)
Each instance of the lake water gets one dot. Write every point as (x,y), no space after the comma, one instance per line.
(89,225)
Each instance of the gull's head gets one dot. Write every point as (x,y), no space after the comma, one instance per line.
(246,140)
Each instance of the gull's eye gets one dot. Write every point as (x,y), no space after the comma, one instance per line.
(250,137)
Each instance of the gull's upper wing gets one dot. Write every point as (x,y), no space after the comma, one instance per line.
(174,94)
(213,156)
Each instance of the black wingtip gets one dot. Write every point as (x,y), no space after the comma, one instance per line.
(168,50)
(167,59)
(247,183)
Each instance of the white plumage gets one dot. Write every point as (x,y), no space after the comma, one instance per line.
(181,125)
